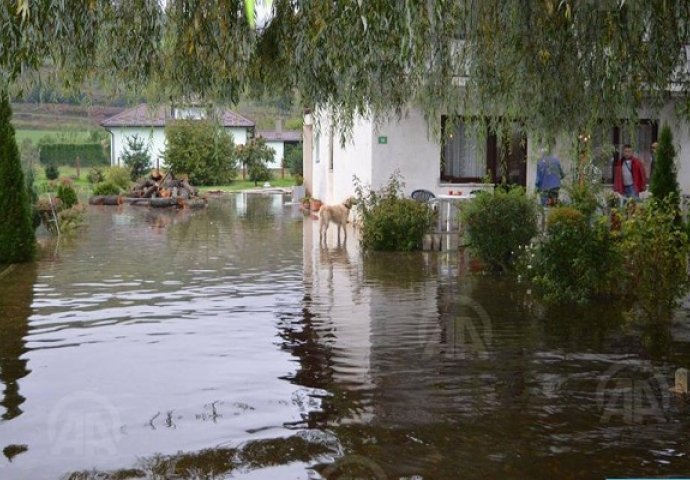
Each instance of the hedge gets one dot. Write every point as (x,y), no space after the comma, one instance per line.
(90,154)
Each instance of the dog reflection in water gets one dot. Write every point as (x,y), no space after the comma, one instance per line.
(337,214)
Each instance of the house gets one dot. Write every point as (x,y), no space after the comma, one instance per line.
(464,161)
(277,140)
(148,122)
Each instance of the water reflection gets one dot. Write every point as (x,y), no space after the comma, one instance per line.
(432,371)
(16,296)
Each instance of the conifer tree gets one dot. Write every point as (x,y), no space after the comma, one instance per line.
(17,238)
(664,182)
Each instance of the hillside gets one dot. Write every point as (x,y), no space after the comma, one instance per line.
(61,117)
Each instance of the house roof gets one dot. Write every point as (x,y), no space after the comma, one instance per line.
(283,136)
(144,115)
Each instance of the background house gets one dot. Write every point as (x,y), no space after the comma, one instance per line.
(464,161)
(277,140)
(149,122)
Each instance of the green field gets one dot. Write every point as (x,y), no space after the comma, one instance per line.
(68,136)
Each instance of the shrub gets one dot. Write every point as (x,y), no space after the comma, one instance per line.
(583,197)
(576,261)
(52,171)
(202,150)
(17,237)
(136,157)
(118,176)
(293,159)
(498,223)
(106,188)
(664,182)
(89,154)
(67,195)
(95,175)
(655,252)
(390,222)
(255,156)
(72,218)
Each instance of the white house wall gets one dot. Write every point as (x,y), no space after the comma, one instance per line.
(154,138)
(239,134)
(279,149)
(354,158)
(409,150)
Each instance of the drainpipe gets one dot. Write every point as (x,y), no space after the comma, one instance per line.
(112,145)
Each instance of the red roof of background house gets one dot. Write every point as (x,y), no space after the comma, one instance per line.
(145,116)
(283,136)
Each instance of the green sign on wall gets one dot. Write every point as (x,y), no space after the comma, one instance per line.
(383,140)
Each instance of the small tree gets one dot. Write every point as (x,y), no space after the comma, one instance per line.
(17,238)
(293,159)
(255,156)
(136,157)
(664,182)
(202,150)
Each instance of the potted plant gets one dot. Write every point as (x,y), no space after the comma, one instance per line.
(315,204)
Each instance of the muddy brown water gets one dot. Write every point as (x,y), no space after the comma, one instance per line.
(230,343)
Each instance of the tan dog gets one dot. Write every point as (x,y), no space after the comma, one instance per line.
(337,214)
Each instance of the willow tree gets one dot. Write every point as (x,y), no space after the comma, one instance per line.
(552,64)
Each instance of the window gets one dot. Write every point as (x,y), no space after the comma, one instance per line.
(463,155)
(468,157)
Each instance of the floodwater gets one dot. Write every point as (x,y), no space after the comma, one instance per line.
(228,343)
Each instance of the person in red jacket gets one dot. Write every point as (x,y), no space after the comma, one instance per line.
(629,178)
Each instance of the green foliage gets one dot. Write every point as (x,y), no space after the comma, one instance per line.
(118,176)
(255,156)
(106,188)
(71,218)
(293,159)
(95,175)
(52,171)
(664,182)
(498,224)
(583,197)
(89,154)
(67,195)
(136,157)
(577,260)
(389,221)
(655,251)
(17,238)
(202,150)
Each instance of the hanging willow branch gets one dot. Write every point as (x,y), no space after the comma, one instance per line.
(549,64)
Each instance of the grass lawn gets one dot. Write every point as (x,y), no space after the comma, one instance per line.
(238,185)
(66,135)
(82,183)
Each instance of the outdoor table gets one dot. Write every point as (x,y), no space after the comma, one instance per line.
(448,201)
